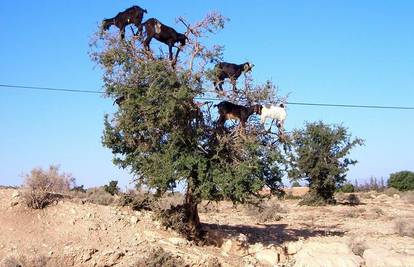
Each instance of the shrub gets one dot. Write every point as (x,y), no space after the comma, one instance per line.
(296,184)
(402,181)
(99,196)
(137,201)
(314,199)
(42,188)
(353,200)
(161,258)
(268,212)
(112,188)
(347,188)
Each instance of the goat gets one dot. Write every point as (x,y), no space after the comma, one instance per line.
(232,71)
(228,111)
(277,113)
(167,35)
(131,15)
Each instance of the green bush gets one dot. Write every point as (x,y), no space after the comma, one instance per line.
(402,181)
(296,184)
(347,188)
(112,188)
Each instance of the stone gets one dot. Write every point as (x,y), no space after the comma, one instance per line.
(177,241)
(380,257)
(268,257)
(134,220)
(16,194)
(294,247)
(14,203)
(396,196)
(335,254)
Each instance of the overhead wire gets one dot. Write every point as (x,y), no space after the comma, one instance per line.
(212,98)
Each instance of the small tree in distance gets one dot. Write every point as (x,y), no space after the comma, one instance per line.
(164,137)
(403,180)
(112,188)
(320,156)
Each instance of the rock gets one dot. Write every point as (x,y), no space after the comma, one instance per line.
(134,220)
(14,203)
(16,194)
(315,254)
(87,255)
(396,196)
(255,248)
(234,246)
(268,257)
(178,241)
(379,257)
(294,247)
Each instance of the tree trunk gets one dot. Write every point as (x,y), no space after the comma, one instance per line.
(191,210)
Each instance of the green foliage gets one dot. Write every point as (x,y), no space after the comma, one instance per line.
(160,134)
(347,188)
(112,188)
(403,180)
(296,184)
(320,157)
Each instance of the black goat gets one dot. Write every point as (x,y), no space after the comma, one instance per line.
(132,15)
(228,111)
(167,35)
(232,71)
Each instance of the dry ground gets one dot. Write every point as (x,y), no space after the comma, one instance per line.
(75,234)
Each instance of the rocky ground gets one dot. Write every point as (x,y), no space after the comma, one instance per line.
(378,232)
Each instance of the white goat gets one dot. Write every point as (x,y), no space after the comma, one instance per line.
(277,113)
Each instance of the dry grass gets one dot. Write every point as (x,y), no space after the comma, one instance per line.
(354,213)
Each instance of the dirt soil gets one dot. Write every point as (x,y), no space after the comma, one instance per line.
(72,233)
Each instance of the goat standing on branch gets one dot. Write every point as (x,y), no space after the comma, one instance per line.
(229,111)
(167,35)
(277,113)
(132,15)
(232,71)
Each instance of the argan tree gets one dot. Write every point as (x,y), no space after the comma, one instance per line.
(320,157)
(164,136)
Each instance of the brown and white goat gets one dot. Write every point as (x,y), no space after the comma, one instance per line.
(224,70)
(229,111)
(163,33)
(132,15)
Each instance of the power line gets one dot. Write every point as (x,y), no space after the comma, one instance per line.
(51,89)
(212,98)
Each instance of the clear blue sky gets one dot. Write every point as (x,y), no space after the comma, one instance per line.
(357,52)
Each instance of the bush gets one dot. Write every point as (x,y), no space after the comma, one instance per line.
(296,184)
(268,212)
(402,181)
(42,188)
(161,258)
(347,188)
(314,199)
(112,188)
(137,201)
(99,196)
